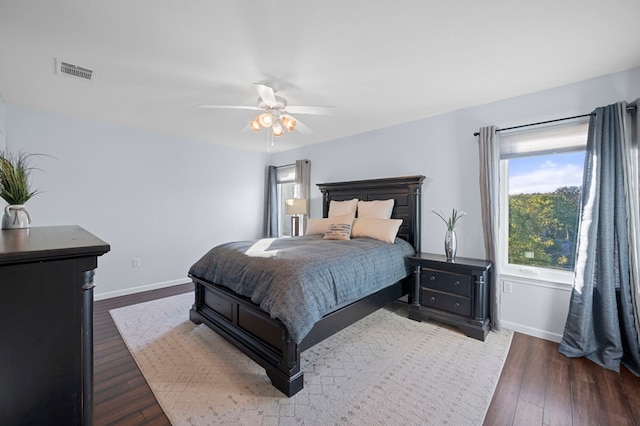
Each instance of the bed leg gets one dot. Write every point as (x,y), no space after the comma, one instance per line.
(286,376)
(194,316)
(286,384)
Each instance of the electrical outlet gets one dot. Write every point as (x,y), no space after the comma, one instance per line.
(135,262)
(507,287)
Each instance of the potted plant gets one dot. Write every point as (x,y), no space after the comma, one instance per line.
(15,188)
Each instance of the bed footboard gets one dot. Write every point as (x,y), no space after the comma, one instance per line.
(266,340)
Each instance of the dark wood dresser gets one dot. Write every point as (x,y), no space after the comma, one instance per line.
(455,292)
(46,325)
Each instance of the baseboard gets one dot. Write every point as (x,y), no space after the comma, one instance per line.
(535,332)
(139,289)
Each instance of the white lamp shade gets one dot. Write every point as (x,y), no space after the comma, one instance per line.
(296,206)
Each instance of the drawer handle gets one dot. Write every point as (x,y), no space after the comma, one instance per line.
(456,283)
(432,278)
(457,305)
(432,298)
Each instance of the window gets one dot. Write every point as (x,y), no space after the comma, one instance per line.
(541,190)
(286,178)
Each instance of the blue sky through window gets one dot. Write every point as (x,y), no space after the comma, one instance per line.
(545,173)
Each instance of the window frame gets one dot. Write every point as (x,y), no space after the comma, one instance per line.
(285,175)
(525,271)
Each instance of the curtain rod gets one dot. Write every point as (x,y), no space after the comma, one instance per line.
(286,165)
(629,109)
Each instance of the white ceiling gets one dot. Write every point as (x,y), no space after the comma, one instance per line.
(380,62)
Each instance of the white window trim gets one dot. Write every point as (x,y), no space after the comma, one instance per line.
(285,175)
(521,271)
(545,275)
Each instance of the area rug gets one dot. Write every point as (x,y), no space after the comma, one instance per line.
(383,370)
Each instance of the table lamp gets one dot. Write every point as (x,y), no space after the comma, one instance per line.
(295,207)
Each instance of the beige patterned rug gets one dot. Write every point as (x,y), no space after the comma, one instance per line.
(383,370)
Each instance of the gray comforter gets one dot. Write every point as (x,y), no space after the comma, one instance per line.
(298,280)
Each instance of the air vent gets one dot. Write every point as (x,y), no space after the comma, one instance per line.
(73,70)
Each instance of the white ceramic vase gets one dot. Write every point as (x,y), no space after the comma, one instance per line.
(16,216)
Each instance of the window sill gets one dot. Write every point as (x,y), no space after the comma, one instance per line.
(538,276)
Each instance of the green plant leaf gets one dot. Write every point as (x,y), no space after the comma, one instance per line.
(14,177)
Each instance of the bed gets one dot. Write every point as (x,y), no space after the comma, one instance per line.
(267,340)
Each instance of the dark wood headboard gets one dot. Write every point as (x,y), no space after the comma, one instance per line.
(406,191)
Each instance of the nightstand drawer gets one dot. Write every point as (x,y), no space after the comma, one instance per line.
(445,302)
(446,281)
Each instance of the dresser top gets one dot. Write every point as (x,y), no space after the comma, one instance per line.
(48,243)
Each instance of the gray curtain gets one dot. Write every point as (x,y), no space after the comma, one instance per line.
(601,323)
(303,182)
(271,203)
(490,203)
(631,172)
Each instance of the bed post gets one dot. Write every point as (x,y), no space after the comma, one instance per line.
(287,377)
(325,203)
(198,298)
(416,212)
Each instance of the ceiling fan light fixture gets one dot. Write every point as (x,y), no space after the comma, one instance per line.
(288,123)
(265,119)
(255,125)
(274,113)
(277,129)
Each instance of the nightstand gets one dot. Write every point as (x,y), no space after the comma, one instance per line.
(455,292)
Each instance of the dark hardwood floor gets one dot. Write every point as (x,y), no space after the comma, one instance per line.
(122,395)
(538,385)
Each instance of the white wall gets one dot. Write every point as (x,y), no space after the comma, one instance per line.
(444,149)
(2,124)
(163,200)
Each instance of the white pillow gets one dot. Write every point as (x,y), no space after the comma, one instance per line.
(339,208)
(339,227)
(379,229)
(317,225)
(380,209)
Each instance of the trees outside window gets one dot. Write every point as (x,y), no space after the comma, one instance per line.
(543,228)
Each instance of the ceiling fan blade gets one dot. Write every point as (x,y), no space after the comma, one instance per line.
(314,110)
(267,94)
(300,126)
(252,108)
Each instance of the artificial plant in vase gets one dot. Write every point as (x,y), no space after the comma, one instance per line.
(450,239)
(15,188)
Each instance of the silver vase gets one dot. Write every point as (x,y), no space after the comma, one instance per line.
(450,244)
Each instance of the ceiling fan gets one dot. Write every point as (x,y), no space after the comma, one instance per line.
(276,112)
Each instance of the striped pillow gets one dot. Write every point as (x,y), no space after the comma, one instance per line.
(340,227)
